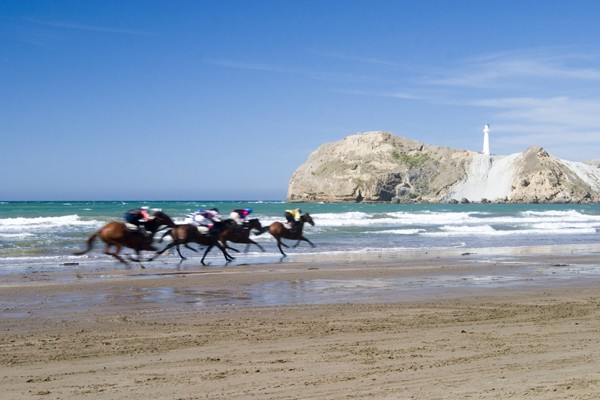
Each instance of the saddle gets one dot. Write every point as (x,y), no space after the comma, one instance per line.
(131,227)
(204,230)
(136,229)
(292,228)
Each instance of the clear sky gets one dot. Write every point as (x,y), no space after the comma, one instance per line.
(224,99)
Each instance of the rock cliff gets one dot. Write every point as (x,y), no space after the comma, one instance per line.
(382,167)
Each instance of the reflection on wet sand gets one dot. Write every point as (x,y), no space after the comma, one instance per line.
(377,279)
(335,291)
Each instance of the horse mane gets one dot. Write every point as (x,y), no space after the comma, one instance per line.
(162,215)
(159,213)
(163,218)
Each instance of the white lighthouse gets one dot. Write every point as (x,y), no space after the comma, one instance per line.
(486,139)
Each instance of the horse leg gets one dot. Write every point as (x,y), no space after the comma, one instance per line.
(163,236)
(279,243)
(179,251)
(225,254)
(167,247)
(137,255)
(257,245)
(306,240)
(205,253)
(115,254)
(187,246)
(226,246)
(137,259)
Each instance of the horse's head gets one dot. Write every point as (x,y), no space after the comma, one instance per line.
(161,219)
(307,218)
(254,223)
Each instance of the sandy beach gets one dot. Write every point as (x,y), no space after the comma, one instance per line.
(375,327)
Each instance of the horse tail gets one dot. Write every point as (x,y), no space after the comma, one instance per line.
(262,230)
(90,243)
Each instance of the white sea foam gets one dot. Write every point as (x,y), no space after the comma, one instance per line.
(16,235)
(393,218)
(492,232)
(399,231)
(422,219)
(468,229)
(568,222)
(565,225)
(44,223)
(558,213)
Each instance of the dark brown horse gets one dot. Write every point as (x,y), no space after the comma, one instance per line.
(279,231)
(118,235)
(241,234)
(187,233)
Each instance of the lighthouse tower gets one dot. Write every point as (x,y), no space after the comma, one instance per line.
(486,139)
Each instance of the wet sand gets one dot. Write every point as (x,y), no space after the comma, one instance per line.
(491,324)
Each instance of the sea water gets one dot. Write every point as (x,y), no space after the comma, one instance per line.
(35,236)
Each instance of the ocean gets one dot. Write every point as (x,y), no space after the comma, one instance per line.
(40,236)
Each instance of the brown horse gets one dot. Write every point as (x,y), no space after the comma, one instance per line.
(187,233)
(241,234)
(118,235)
(279,231)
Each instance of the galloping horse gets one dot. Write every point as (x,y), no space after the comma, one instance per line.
(187,233)
(241,234)
(279,231)
(117,234)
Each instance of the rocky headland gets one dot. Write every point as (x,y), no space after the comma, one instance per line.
(382,167)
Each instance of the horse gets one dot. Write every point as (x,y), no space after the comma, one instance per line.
(183,234)
(118,235)
(279,231)
(241,234)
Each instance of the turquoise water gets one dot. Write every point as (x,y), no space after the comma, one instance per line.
(43,233)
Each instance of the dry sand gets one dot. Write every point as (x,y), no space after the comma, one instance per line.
(99,335)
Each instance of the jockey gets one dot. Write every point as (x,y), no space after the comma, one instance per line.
(293,218)
(239,215)
(204,218)
(139,217)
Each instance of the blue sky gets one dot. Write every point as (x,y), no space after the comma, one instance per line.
(225,99)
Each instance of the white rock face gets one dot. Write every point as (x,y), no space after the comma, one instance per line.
(587,173)
(379,166)
(489,177)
